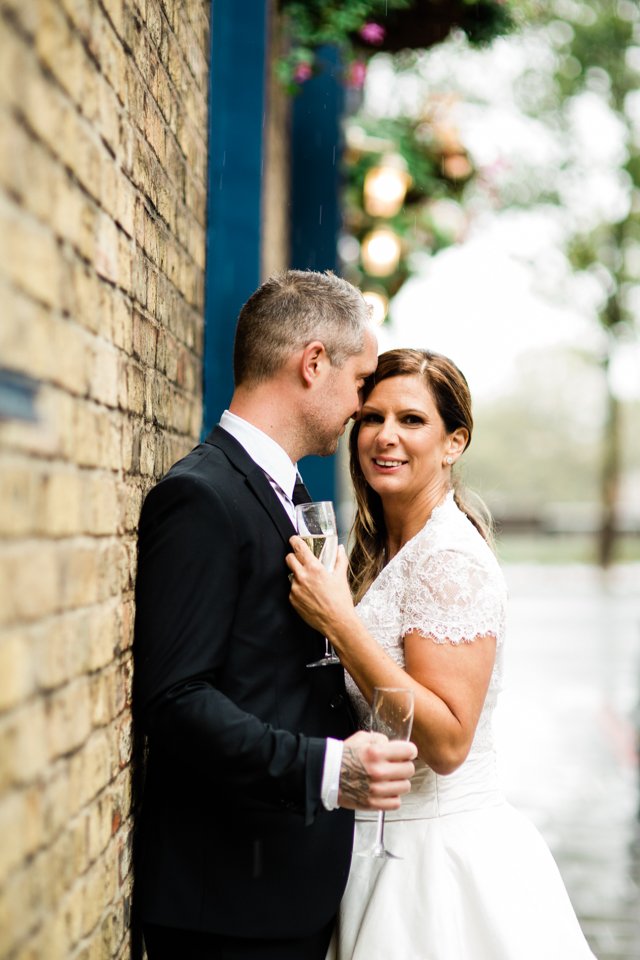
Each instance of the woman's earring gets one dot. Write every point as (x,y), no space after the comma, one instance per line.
(449,460)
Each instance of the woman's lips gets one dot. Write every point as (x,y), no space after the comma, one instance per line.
(387,465)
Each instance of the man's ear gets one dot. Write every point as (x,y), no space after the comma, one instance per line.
(313,362)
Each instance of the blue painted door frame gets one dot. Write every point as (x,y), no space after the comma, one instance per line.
(234,207)
(315,207)
(238,85)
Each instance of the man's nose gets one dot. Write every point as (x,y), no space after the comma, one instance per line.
(356,412)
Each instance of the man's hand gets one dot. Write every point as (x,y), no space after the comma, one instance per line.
(375,772)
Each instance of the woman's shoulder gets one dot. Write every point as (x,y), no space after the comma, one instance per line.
(450,538)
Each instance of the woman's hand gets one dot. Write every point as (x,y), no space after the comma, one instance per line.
(321,598)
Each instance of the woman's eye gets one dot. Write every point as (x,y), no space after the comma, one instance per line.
(413,419)
(371,418)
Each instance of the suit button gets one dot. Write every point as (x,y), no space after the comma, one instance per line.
(336,701)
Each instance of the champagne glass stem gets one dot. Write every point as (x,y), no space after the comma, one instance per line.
(391,714)
(316,523)
(379,844)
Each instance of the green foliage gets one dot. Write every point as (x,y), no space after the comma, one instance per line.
(601,36)
(486,20)
(312,24)
(415,223)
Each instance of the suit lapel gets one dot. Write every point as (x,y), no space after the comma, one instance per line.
(255,479)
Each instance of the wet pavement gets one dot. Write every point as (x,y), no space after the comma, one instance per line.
(567,734)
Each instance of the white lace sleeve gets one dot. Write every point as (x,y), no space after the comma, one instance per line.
(453,596)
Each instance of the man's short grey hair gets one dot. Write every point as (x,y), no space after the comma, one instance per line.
(290,310)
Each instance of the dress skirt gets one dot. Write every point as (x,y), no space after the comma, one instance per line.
(476,881)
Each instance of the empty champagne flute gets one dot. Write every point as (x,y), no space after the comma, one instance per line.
(391,714)
(316,524)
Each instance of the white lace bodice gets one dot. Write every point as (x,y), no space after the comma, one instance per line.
(445,583)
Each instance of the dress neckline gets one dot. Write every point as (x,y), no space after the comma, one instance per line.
(440,505)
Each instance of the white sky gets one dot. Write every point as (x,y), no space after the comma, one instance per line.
(507,289)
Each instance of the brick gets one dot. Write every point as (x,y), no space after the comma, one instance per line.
(17,678)
(99,825)
(135,388)
(90,770)
(23,755)
(125,206)
(102,504)
(62,495)
(74,70)
(109,112)
(13,62)
(29,254)
(68,718)
(20,497)
(67,365)
(95,885)
(121,324)
(41,343)
(125,262)
(102,636)
(17,908)
(20,828)
(56,801)
(106,250)
(61,644)
(104,365)
(115,12)
(131,504)
(95,438)
(78,566)
(30,577)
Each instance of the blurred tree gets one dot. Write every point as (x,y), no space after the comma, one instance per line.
(599,55)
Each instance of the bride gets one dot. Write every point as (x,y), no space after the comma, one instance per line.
(476,880)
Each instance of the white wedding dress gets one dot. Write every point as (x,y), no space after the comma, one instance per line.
(477,881)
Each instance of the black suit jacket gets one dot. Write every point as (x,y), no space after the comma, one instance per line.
(232,836)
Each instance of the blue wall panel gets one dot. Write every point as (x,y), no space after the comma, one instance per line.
(315,208)
(236,112)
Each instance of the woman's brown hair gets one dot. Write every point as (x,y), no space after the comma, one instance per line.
(450,392)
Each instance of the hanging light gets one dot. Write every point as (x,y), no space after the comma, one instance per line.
(456,166)
(381,250)
(385,186)
(379,304)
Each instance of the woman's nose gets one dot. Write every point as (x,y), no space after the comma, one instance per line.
(387,434)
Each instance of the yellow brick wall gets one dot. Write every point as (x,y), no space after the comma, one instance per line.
(103,122)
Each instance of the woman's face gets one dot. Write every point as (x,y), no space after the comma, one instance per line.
(403,443)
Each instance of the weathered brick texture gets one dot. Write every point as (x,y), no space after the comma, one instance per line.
(103,153)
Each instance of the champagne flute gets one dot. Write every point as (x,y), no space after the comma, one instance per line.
(316,524)
(391,714)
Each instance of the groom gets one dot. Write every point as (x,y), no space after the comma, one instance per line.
(253,768)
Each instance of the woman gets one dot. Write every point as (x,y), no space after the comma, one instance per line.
(476,881)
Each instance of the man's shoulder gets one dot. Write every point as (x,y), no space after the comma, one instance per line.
(204,470)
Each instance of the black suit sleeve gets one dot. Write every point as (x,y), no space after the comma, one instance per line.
(186,594)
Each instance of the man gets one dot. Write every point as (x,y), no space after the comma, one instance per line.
(241,852)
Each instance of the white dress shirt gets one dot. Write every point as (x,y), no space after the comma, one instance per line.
(282,473)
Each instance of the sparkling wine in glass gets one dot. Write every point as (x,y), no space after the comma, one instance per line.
(316,524)
(391,714)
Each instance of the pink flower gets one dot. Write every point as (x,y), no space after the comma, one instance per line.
(357,74)
(372,33)
(302,72)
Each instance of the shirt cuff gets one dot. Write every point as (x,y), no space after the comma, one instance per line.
(331,774)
